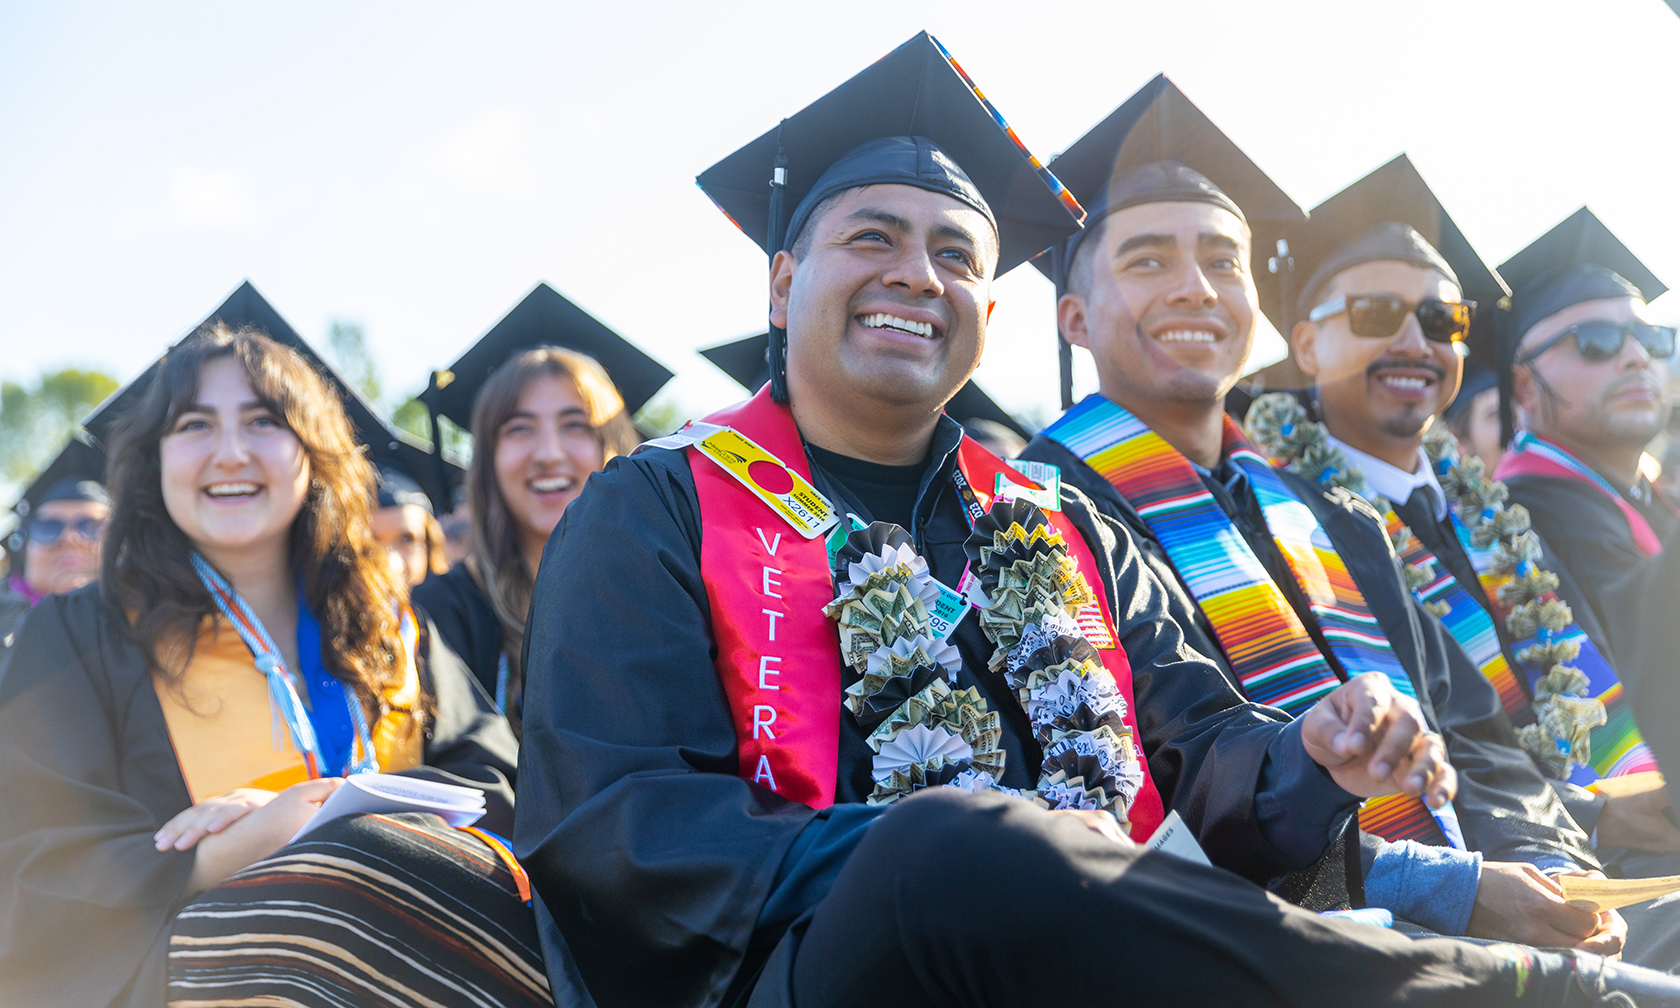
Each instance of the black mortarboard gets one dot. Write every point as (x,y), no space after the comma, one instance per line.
(747,361)
(1157,147)
(78,473)
(913,118)
(1389,215)
(386,446)
(543,318)
(1578,260)
(397,487)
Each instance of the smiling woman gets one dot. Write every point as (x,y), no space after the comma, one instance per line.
(166,732)
(542,422)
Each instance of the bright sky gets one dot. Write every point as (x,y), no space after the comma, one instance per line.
(416,167)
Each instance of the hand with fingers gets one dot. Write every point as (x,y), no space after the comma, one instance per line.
(1374,741)
(238,829)
(1099,822)
(1639,820)
(212,815)
(1516,902)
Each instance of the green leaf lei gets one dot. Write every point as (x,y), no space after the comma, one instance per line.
(1525,594)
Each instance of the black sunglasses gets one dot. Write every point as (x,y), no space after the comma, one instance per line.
(46,531)
(1600,341)
(1380,316)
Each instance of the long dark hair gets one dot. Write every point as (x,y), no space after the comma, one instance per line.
(347,580)
(498,556)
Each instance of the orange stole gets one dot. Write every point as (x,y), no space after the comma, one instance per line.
(225,733)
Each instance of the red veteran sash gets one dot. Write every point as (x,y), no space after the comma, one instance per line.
(778,656)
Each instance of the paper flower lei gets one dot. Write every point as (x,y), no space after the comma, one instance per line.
(1077,713)
(1526,593)
(923,732)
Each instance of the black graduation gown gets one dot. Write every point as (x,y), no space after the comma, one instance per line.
(1505,807)
(87,775)
(466,621)
(1592,551)
(663,878)
(1441,539)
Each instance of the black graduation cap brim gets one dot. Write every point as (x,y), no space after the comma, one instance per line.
(1394,192)
(744,360)
(1580,239)
(915,90)
(79,460)
(1158,124)
(245,307)
(544,318)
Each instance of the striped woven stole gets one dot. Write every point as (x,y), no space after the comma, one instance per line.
(1616,746)
(1272,654)
(1459,610)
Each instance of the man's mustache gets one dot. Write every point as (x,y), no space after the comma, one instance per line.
(1386,363)
(1636,379)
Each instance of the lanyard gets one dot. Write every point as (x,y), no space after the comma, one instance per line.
(282,693)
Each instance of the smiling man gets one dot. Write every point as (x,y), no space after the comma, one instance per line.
(1584,374)
(758,771)
(55,547)
(1158,287)
(1380,324)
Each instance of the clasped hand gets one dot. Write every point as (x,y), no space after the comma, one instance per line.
(1374,741)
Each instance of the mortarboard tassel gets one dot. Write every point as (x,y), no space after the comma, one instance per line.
(1064,349)
(777,350)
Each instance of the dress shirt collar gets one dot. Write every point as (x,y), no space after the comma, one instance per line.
(1387,480)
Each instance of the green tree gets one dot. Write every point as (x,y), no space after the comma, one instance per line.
(348,344)
(413,418)
(36,421)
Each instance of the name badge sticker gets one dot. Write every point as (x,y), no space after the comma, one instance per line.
(1047,476)
(788,493)
(947,612)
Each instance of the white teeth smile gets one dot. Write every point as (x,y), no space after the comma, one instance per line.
(1395,381)
(881,320)
(1187,336)
(232,489)
(550,484)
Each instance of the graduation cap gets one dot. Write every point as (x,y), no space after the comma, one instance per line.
(1578,260)
(1478,378)
(747,361)
(1157,147)
(386,446)
(913,118)
(543,318)
(396,488)
(78,473)
(1390,215)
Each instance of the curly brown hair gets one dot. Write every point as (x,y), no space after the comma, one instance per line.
(147,572)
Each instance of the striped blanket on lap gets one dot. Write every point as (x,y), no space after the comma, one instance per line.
(369,910)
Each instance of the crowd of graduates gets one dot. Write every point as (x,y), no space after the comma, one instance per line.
(1311,686)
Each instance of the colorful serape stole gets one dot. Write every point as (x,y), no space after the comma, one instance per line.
(1271,652)
(1459,611)
(1617,749)
(1535,456)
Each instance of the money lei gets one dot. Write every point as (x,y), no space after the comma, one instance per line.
(1525,598)
(923,732)
(1076,711)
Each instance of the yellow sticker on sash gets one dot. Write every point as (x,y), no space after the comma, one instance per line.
(787,492)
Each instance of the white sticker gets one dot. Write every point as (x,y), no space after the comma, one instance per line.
(1176,839)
